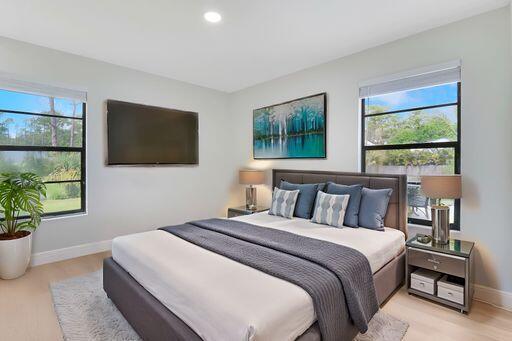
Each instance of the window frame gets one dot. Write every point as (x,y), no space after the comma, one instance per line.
(451,144)
(81,150)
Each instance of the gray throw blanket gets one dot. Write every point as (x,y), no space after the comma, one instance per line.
(337,278)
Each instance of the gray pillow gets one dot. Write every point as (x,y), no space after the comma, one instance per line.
(374,205)
(283,203)
(352,213)
(330,209)
(306,199)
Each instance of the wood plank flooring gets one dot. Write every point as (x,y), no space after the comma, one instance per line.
(26,309)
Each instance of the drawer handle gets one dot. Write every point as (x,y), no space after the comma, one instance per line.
(449,293)
(433,261)
(422,284)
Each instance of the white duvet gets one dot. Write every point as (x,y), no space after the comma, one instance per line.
(221,299)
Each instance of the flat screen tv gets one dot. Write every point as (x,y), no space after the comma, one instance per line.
(145,135)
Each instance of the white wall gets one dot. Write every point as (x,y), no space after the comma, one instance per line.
(123,200)
(483,45)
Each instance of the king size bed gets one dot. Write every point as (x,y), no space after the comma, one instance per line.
(170,286)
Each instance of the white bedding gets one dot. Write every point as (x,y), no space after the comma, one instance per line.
(221,299)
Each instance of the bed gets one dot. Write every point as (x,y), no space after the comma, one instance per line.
(170,290)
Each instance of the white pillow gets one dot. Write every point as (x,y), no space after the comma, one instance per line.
(283,202)
(330,209)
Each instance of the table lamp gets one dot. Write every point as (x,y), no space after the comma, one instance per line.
(439,187)
(251,177)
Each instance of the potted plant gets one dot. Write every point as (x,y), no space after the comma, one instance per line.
(21,209)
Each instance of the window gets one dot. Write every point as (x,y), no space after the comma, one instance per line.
(45,134)
(414,130)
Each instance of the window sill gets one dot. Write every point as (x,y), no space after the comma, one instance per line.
(64,216)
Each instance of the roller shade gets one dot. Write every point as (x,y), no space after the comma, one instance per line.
(8,82)
(414,79)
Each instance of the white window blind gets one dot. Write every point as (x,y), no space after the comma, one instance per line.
(413,79)
(8,82)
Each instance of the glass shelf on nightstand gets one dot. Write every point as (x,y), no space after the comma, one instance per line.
(455,247)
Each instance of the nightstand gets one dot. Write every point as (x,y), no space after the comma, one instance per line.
(453,262)
(243,210)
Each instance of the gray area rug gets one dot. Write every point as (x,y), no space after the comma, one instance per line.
(85,313)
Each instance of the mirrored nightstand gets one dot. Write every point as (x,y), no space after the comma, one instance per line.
(243,210)
(452,267)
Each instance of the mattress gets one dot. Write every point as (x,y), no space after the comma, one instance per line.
(221,299)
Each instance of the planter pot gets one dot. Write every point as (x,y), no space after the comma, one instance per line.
(15,256)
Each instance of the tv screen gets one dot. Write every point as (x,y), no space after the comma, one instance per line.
(140,134)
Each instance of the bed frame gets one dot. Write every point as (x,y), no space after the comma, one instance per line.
(153,321)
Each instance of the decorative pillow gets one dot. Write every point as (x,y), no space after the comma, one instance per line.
(330,209)
(352,214)
(306,199)
(374,205)
(283,202)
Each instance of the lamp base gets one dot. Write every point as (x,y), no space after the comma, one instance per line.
(250,198)
(440,224)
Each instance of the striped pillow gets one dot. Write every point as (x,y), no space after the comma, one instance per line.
(330,209)
(283,202)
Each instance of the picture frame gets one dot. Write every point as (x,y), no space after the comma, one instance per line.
(295,129)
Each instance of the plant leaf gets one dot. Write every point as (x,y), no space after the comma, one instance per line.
(21,192)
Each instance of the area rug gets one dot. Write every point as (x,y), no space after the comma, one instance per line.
(86,313)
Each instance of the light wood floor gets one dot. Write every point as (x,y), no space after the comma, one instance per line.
(26,310)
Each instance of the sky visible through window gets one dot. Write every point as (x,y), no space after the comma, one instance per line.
(17,101)
(423,97)
(10,100)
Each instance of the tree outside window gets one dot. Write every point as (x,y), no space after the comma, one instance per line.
(45,135)
(414,132)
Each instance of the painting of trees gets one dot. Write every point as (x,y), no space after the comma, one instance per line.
(291,129)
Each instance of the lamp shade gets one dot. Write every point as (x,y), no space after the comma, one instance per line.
(442,186)
(251,177)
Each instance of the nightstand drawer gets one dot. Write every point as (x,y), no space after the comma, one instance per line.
(448,264)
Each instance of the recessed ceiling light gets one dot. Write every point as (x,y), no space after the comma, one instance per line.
(212,17)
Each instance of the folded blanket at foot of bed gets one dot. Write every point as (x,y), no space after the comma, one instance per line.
(338,278)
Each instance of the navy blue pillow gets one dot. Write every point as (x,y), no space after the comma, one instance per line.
(352,212)
(374,205)
(306,199)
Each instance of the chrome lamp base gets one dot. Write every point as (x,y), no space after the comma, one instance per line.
(440,224)
(250,197)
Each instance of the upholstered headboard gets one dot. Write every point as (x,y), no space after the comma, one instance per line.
(396,215)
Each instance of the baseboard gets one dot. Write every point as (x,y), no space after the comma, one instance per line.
(495,297)
(70,252)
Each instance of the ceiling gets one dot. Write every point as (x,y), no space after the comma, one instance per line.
(257,40)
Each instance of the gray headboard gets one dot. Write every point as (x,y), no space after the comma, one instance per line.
(396,215)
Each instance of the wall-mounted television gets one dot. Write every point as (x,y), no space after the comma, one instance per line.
(146,135)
